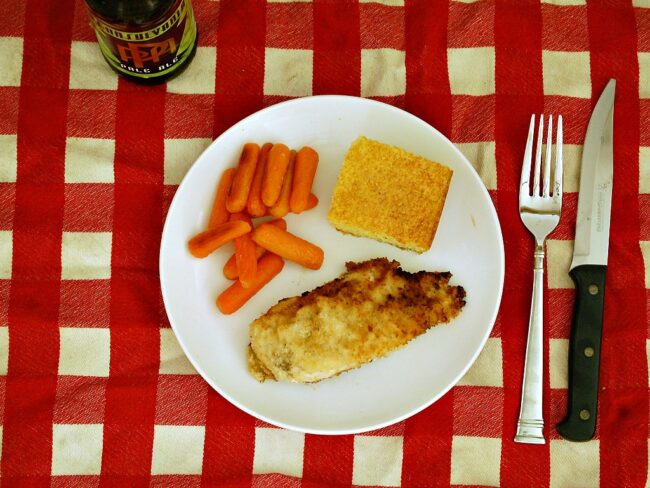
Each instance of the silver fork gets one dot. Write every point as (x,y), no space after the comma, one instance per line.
(540,212)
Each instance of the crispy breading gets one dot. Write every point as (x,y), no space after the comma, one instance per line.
(366,313)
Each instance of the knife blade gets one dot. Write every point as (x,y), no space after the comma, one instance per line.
(589,268)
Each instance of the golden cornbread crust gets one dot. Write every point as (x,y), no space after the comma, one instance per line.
(386,193)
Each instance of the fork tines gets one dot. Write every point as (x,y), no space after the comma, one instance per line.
(543,190)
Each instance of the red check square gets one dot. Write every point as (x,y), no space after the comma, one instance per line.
(7,205)
(471,24)
(168,196)
(78,481)
(9,96)
(382,26)
(188,115)
(174,480)
(390,430)
(3,390)
(88,207)
(13,18)
(206,21)
(81,29)
(559,312)
(558,404)
(472,118)
(91,113)
(644,138)
(478,411)
(80,400)
(85,303)
(575,114)
(643,28)
(175,407)
(290,25)
(644,214)
(4,301)
(564,28)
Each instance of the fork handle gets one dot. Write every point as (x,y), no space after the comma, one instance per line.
(530,426)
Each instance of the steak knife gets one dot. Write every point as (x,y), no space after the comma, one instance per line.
(588,269)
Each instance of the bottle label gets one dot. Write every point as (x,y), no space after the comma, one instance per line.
(154,50)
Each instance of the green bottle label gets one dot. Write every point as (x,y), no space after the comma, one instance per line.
(152,50)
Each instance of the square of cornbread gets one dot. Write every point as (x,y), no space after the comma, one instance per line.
(388,194)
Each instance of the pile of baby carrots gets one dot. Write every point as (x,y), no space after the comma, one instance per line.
(268,181)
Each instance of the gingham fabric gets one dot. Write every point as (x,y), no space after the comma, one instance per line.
(94,388)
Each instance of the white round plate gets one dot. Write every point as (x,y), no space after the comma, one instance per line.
(468,243)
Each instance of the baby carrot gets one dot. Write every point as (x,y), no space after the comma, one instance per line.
(255,206)
(233,297)
(288,246)
(245,252)
(312,201)
(276,167)
(207,241)
(303,177)
(281,207)
(230,268)
(220,213)
(241,183)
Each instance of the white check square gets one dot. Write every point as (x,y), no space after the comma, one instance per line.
(567,73)
(571,160)
(178,449)
(4,350)
(6,254)
(488,368)
(88,69)
(565,2)
(471,70)
(86,255)
(8,158)
(288,72)
(475,461)
(84,351)
(575,463)
(172,357)
(89,160)
(482,155)
(647,354)
(645,251)
(383,72)
(644,169)
(644,74)
(278,451)
(11,61)
(199,76)
(77,449)
(559,254)
(558,363)
(377,460)
(180,154)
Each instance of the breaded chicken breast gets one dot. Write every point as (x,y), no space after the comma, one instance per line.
(371,310)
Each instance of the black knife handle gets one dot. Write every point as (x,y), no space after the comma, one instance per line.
(584,352)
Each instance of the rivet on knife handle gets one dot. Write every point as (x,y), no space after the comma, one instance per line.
(584,353)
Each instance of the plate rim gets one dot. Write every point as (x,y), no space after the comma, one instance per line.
(501,271)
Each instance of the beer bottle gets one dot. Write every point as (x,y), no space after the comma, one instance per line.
(147,41)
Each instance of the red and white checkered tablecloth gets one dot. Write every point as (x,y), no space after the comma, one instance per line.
(94,389)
